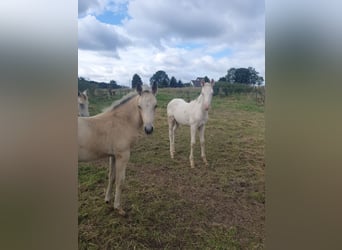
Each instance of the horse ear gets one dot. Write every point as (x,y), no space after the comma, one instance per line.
(212,82)
(154,88)
(202,82)
(79,93)
(139,88)
(85,92)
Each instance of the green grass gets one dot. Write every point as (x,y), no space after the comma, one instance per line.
(170,205)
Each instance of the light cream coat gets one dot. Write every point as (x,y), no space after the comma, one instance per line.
(193,114)
(113,132)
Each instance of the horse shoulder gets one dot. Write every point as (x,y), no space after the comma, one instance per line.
(171,106)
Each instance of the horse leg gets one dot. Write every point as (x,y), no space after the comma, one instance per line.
(201,135)
(192,144)
(170,122)
(172,128)
(111,178)
(121,164)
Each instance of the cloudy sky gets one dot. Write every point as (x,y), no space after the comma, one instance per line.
(185,38)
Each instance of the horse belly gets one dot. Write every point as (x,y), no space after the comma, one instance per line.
(85,155)
(182,117)
(179,109)
(89,146)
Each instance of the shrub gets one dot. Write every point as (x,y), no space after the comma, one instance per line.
(224,88)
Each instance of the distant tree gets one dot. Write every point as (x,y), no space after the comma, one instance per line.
(254,78)
(244,76)
(136,80)
(230,77)
(223,79)
(180,84)
(260,80)
(112,85)
(102,85)
(161,78)
(206,79)
(83,84)
(173,82)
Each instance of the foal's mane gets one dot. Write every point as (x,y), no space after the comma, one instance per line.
(126,98)
(120,102)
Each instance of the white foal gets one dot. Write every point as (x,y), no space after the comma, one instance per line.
(194,114)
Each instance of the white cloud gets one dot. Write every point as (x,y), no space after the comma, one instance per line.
(195,20)
(90,7)
(186,40)
(184,65)
(97,36)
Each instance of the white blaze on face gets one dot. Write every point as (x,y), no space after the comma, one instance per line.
(207,94)
(147,104)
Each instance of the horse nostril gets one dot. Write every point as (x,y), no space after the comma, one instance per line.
(148,130)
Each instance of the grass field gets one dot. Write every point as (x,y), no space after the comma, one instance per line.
(170,205)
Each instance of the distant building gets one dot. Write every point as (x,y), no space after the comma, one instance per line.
(197,82)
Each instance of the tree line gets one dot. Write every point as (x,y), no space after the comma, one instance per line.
(161,78)
(248,76)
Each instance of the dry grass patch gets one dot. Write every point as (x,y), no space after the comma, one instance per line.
(170,205)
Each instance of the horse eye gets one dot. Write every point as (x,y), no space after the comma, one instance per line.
(155,106)
(139,106)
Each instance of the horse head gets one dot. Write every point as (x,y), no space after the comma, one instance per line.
(83,103)
(207,93)
(147,104)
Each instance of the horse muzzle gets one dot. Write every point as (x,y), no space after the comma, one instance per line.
(148,129)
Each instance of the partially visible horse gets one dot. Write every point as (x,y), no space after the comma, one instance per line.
(83,103)
(113,132)
(194,114)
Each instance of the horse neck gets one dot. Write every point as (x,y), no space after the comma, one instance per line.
(199,102)
(129,112)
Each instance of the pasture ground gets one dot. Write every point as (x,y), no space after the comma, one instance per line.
(170,205)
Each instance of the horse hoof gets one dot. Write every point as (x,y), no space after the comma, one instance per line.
(121,212)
